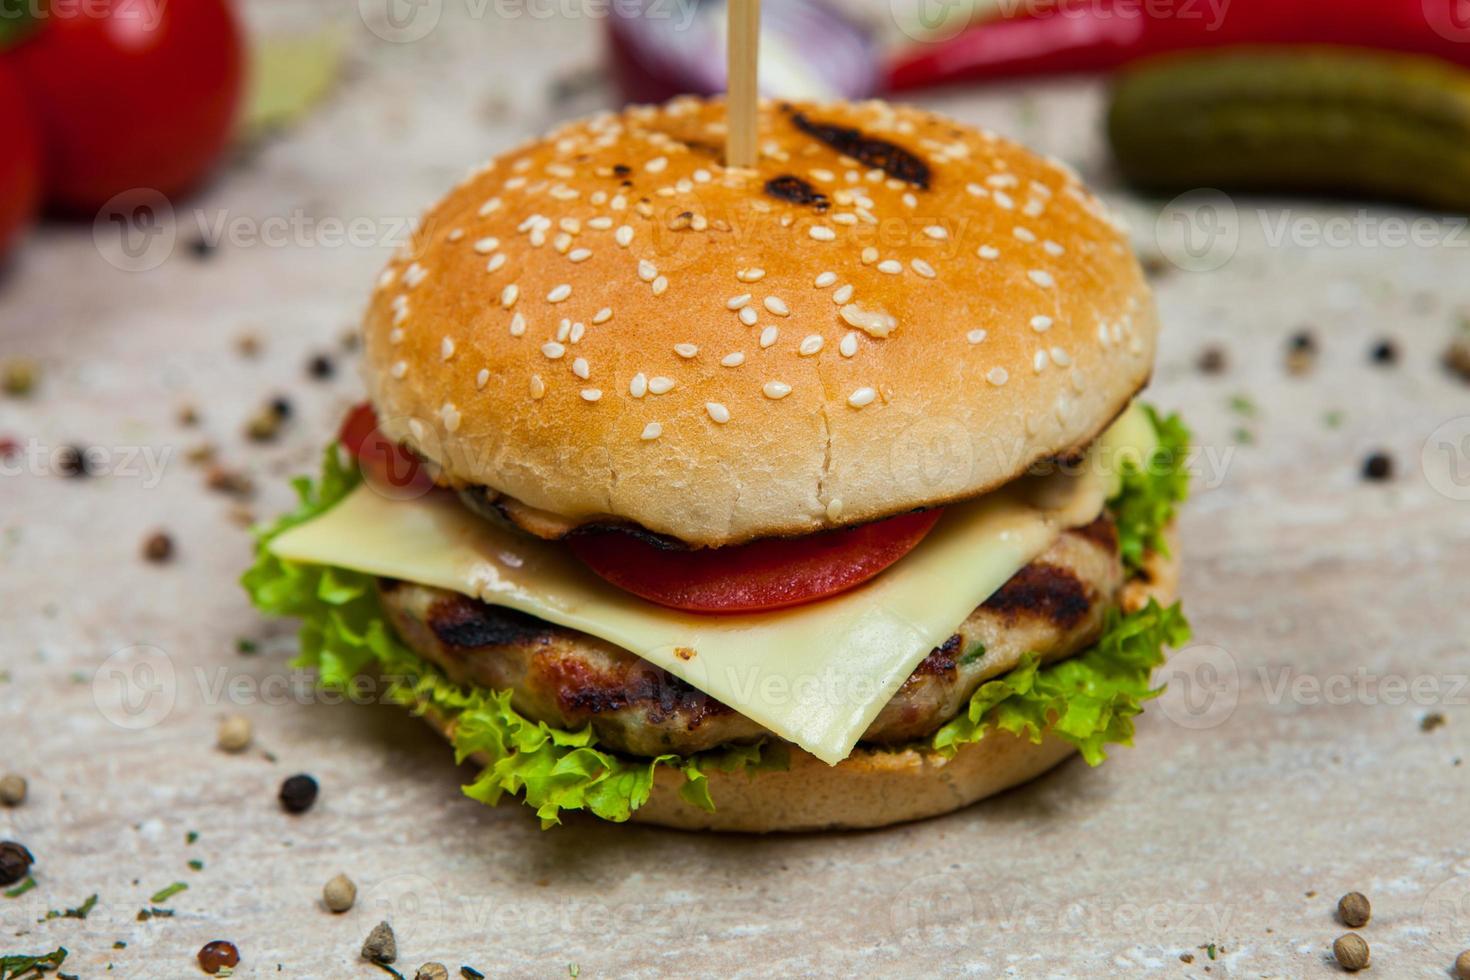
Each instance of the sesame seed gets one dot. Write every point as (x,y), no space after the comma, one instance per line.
(399,369)
(647,271)
(487,245)
(395,336)
(417,428)
(414,275)
(988,252)
(496,261)
(834,508)
(624,235)
(638,387)
(660,385)
(870,255)
(936,232)
(508,295)
(1038,361)
(737,302)
(660,285)
(553,350)
(603,315)
(844,218)
(997,376)
(686,351)
(1004,200)
(580,254)
(578,330)
(890,266)
(491,205)
(776,305)
(821,233)
(810,344)
(862,397)
(538,387)
(849,345)
(751,275)
(1024,234)
(386,277)
(825,279)
(701,176)
(909,200)
(975,336)
(446,349)
(1042,278)
(842,294)
(977,190)
(1060,357)
(1052,248)
(875,323)
(601,223)
(733,359)
(455,234)
(776,389)
(923,268)
(591,394)
(748,316)
(563,330)
(1041,324)
(482,379)
(651,431)
(656,165)
(517,325)
(581,368)
(1033,208)
(450,415)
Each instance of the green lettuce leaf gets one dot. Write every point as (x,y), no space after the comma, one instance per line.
(1150,492)
(1089,700)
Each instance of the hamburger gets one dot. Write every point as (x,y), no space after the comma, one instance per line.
(813,495)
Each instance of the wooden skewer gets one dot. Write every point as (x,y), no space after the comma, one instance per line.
(742,91)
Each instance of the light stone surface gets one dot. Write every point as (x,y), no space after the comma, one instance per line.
(1286,766)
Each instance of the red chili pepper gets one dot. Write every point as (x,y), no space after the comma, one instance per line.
(1059,36)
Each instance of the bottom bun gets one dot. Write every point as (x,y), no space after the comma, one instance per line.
(876,787)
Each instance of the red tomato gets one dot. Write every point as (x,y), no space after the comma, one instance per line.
(130,93)
(766,574)
(389,467)
(20,162)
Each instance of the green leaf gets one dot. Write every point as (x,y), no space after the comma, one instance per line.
(16,966)
(1089,700)
(1150,492)
(164,894)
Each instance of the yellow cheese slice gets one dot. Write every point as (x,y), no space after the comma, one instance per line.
(816,674)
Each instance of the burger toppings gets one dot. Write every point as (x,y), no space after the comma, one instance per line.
(771,573)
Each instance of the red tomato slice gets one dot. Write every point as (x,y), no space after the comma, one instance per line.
(771,573)
(389,467)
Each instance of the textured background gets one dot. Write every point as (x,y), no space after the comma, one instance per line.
(1287,764)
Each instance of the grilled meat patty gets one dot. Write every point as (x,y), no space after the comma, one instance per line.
(1053,607)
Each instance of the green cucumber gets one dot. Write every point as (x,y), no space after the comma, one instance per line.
(1320,119)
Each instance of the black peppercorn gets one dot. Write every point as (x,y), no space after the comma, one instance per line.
(1385,352)
(71,461)
(298,793)
(321,367)
(1212,360)
(1377,467)
(15,862)
(281,406)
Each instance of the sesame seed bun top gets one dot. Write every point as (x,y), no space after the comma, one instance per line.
(891,311)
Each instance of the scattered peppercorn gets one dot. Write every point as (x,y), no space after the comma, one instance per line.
(248,344)
(71,461)
(380,946)
(235,734)
(1385,352)
(188,415)
(15,862)
(13,789)
(298,793)
(339,894)
(281,405)
(1154,264)
(321,367)
(230,482)
(1212,360)
(1301,353)
(1377,467)
(1186,957)
(1457,355)
(1354,910)
(1351,952)
(215,956)
(1462,965)
(158,547)
(350,341)
(432,971)
(1431,721)
(201,248)
(18,376)
(200,454)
